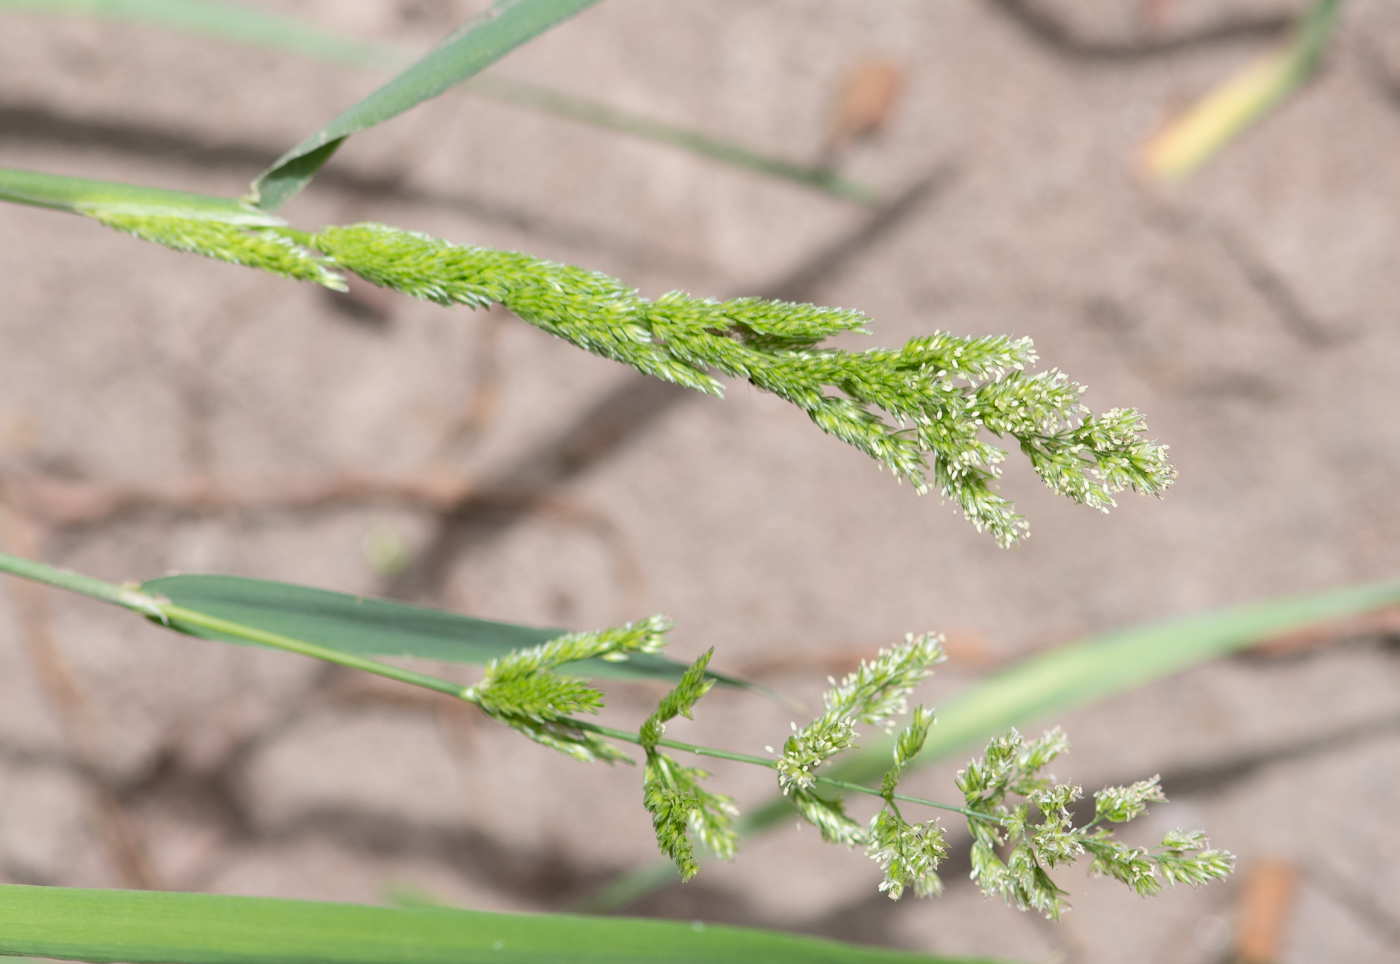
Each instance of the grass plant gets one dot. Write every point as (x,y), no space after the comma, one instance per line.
(925,411)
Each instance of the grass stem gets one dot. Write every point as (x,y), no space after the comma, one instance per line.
(185,620)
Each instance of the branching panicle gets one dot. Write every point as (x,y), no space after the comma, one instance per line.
(1036,835)
(920,410)
(1011,766)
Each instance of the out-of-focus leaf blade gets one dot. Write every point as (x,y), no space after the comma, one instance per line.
(476,45)
(1222,115)
(364,626)
(82,196)
(1072,676)
(559,104)
(259,28)
(229,21)
(1058,681)
(152,927)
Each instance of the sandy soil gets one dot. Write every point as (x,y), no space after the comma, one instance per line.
(161,412)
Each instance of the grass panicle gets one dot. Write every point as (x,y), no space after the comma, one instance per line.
(921,410)
(1011,767)
(875,693)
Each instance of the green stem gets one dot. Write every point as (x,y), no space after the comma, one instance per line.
(82,585)
(178,618)
(953,808)
(555,102)
(635,738)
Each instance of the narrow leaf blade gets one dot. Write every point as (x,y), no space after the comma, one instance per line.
(1227,111)
(1084,673)
(364,626)
(153,927)
(227,21)
(266,30)
(476,45)
(83,196)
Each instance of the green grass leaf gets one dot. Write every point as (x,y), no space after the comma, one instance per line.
(1243,100)
(152,927)
(110,198)
(545,100)
(474,46)
(364,626)
(229,21)
(237,23)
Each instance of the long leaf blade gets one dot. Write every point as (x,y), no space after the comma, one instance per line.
(228,21)
(1242,100)
(238,23)
(364,626)
(152,927)
(83,196)
(474,46)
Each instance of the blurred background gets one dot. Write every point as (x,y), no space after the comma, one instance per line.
(161,412)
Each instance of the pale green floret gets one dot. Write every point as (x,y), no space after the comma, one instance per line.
(919,410)
(1121,804)
(522,690)
(906,750)
(264,248)
(876,694)
(828,815)
(909,854)
(1188,858)
(672,794)
(1011,766)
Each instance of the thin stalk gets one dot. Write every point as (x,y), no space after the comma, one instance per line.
(172,616)
(82,585)
(952,808)
(543,99)
(239,23)
(179,615)
(635,738)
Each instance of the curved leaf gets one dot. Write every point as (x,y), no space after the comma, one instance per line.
(474,46)
(238,23)
(153,927)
